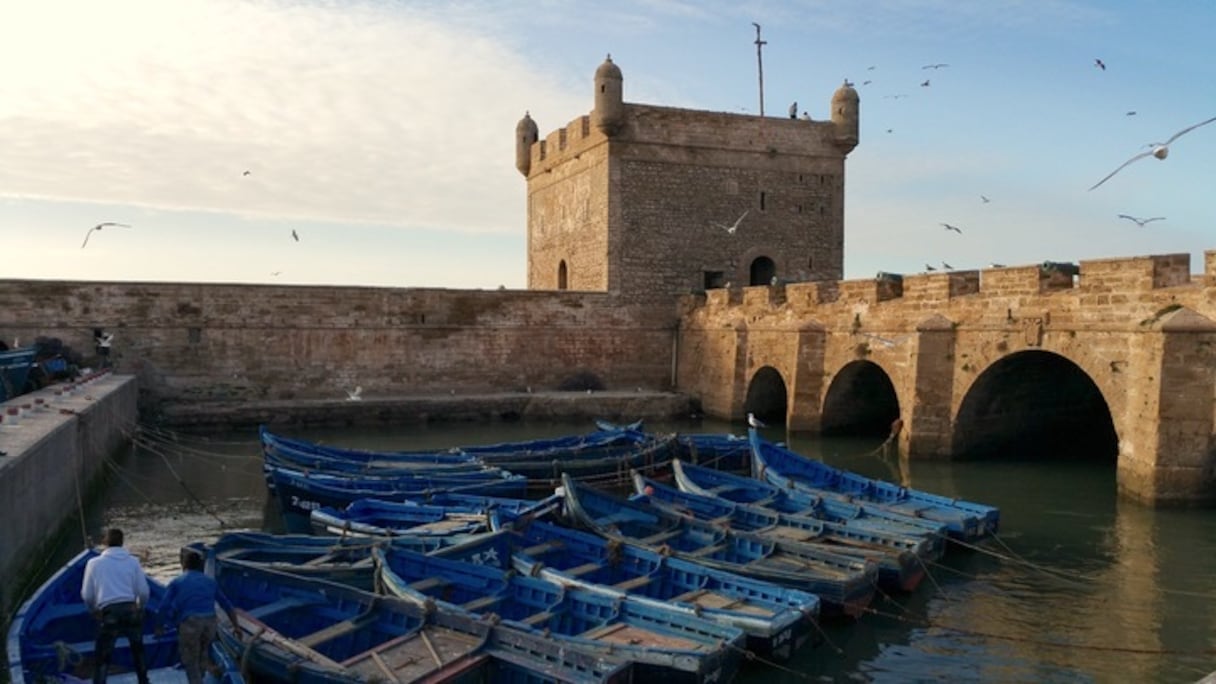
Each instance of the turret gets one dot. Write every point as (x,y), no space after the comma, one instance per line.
(846,117)
(609,113)
(525,135)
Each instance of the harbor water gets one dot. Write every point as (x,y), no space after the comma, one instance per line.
(1079,585)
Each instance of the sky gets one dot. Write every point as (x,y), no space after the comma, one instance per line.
(382,132)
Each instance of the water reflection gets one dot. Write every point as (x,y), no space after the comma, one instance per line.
(1079,586)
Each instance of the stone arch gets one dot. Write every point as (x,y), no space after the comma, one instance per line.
(767,396)
(1034,404)
(761,271)
(562,275)
(861,402)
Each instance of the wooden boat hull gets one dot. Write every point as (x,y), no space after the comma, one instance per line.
(51,637)
(964,520)
(660,643)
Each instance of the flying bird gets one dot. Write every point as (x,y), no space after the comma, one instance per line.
(275,273)
(294,235)
(890,130)
(355,394)
(794,110)
(934,66)
(755,422)
(894,97)
(954,228)
(1132,113)
(985,199)
(734,226)
(1160,150)
(869,68)
(866,82)
(925,84)
(99,226)
(245,174)
(1098,63)
(1141,221)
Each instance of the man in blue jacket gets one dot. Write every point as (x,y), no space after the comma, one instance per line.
(190,604)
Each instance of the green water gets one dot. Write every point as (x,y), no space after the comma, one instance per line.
(1079,585)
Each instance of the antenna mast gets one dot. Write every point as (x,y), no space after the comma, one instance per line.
(760,64)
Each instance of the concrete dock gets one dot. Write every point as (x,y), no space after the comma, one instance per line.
(54,447)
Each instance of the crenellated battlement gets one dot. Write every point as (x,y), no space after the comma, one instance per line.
(1147,282)
(564,144)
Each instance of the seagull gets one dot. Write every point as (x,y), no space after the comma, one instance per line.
(806,116)
(954,228)
(755,422)
(245,174)
(866,82)
(948,267)
(986,200)
(275,273)
(996,265)
(99,226)
(1098,63)
(354,395)
(1141,221)
(869,68)
(929,268)
(794,110)
(894,97)
(925,84)
(294,235)
(890,130)
(1160,150)
(934,66)
(734,226)
(1132,113)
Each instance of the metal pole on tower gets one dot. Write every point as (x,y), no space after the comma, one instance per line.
(760,65)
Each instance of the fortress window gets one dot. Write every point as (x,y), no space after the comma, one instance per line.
(714,279)
(561,275)
(762,271)
(762,194)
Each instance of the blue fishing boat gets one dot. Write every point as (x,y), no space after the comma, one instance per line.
(51,637)
(784,468)
(778,620)
(745,490)
(15,365)
(844,584)
(901,563)
(310,631)
(300,493)
(444,515)
(660,643)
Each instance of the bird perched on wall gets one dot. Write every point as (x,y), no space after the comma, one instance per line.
(1141,221)
(956,229)
(946,266)
(794,110)
(888,342)
(355,394)
(755,422)
(99,226)
(806,116)
(734,226)
(1160,150)
(930,268)
(996,265)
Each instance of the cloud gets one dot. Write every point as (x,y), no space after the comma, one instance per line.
(342,112)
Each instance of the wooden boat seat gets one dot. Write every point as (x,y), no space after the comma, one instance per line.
(615,518)
(478,605)
(633,583)
(282,604)
(705,550)
(334,631)
(582,569)
(541,549)
(534,620)
(427,584)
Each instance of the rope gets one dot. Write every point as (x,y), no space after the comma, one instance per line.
(751,655)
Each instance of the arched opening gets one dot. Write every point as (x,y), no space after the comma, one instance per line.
(861,402)
(1031,405)
(762,271)
(561,275)
(766,396)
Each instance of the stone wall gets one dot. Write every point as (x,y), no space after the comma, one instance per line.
(192,343)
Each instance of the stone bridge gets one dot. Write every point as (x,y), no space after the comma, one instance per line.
(1114,357)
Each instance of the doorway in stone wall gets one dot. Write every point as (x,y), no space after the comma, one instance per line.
(561,275)
(762,271)
(767,396)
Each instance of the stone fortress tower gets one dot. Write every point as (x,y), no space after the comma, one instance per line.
(634,199)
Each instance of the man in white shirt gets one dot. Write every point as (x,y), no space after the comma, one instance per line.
(115,589)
